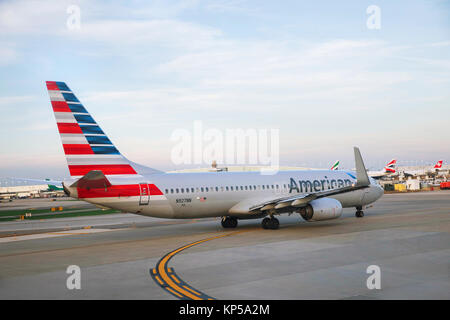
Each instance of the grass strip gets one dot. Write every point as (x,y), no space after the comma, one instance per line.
(62,214)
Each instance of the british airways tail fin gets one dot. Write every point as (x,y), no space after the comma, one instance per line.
(390,167)
(85,144)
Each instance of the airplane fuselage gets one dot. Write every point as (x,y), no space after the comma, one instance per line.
(215,194)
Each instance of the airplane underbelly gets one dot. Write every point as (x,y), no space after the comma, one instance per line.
(202,208)
(349,199)
(159,208)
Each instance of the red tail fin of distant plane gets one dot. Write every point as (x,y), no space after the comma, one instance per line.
(438,164)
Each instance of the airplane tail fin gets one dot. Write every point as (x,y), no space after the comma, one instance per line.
(85,144)
(362,179)
(335,166)
(390,167)
(438,165)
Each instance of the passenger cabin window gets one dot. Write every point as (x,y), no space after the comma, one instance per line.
(176,190)
(201,189)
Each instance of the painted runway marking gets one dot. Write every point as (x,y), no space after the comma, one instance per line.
(167,279)
(52,234)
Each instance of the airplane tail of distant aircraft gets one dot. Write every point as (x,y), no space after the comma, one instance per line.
(438,165)
(85,144)
(335,166)
(52,187)
(390,167)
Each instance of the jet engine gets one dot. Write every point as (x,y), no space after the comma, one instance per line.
(321,209)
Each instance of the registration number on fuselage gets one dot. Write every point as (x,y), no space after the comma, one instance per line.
(184,200)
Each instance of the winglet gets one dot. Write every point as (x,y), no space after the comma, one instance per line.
(362,179)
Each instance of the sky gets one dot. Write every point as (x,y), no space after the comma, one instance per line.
(313,70)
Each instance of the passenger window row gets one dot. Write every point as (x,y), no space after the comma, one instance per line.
(226,188)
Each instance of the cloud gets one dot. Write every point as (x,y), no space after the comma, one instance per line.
(168,33)
(32,17)
(439,44)
(8,54)
(331,69)
(229,6)
(14,100)
(141,65)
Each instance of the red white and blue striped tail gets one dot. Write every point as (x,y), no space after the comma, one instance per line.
(390,167)
(85,144)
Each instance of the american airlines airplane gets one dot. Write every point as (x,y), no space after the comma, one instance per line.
(101,175)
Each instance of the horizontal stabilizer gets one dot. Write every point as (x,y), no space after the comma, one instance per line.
(92,179)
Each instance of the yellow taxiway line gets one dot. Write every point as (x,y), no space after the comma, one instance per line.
(171,282)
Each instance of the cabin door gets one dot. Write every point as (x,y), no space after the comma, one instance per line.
(145,194)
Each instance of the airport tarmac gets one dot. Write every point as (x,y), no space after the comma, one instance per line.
(406,235)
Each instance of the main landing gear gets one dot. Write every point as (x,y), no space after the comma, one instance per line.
(270,223)
(229,222)
(359,213)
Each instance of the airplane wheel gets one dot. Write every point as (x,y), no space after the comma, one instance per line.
(359,214)
(265,223)
(270,223)
(275,224)
(229,222)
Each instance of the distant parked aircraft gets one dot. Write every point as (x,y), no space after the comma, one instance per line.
(427,170)
(389,169)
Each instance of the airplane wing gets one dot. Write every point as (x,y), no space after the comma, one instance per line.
(290,203)
(377,174)
(39,181)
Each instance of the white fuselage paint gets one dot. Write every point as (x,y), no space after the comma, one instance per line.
(219,193)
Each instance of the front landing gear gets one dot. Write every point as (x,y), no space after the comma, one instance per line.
(359,213)
(229,222)
(270,223)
